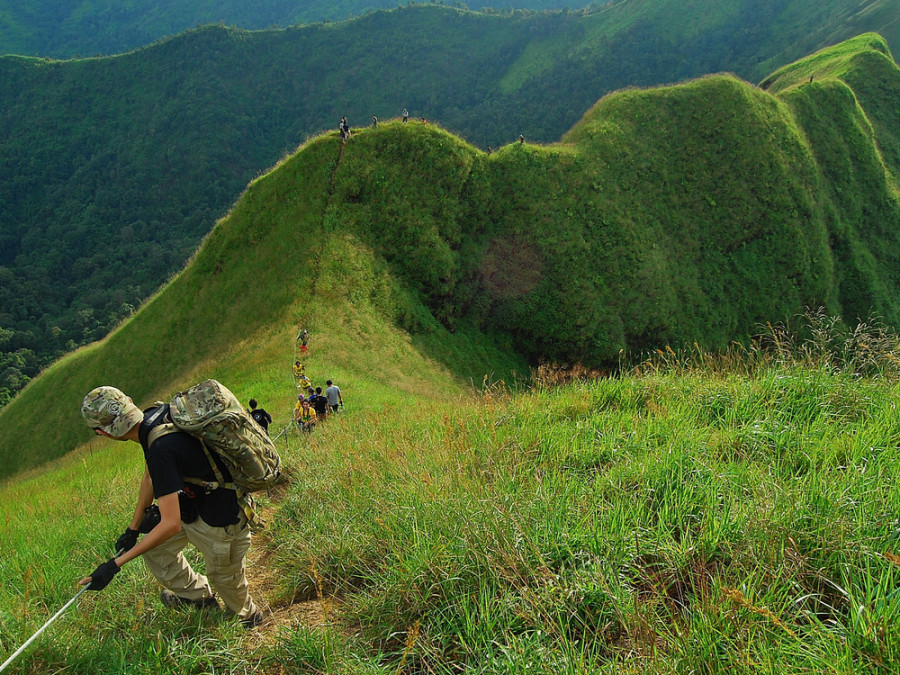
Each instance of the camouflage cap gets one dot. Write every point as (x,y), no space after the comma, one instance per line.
(110,410)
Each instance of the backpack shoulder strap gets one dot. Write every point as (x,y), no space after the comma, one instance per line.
(161,425)
(159,431)
(220,482)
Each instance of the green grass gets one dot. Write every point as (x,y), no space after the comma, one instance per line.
(721,516)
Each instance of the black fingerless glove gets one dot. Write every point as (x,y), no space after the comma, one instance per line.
(101,576)
(127,541)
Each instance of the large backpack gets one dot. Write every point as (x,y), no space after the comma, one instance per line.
(212,414)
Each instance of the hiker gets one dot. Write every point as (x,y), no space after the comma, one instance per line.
(260,416)
(320,403)
(298,405)
(374,122)
(303,337)
(299,368)
(304,381)
(489,150)
(306,416)
(521,139)
(333,394)
(345,129)
(405,116)
(212,521)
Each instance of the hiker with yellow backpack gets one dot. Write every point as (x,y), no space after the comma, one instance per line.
(203,456)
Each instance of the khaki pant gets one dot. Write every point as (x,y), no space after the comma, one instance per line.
(223,548)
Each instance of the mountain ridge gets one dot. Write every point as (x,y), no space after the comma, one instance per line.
(606,242)
(141,153)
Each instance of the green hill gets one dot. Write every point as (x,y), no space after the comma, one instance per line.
(710,513)
(63,29)
(113,169)
(668,216)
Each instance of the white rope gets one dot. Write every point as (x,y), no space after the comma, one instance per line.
(41,629)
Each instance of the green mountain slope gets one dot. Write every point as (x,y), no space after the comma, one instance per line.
(267,268)
(113,169)
(65,29)
(845,100)
(674,215)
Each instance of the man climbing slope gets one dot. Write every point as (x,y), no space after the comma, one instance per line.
(212,521)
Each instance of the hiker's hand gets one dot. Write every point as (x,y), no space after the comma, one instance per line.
(101,576)
(127,541)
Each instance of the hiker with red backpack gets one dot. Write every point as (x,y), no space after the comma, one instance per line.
(197,499)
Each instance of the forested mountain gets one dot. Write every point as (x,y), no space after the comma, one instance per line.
(70,28)
(669,216)
(113,169)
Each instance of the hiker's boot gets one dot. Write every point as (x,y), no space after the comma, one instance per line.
(172,601)
(255,619)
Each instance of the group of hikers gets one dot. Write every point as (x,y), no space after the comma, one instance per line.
(313,405)
(190,495)
(344,128)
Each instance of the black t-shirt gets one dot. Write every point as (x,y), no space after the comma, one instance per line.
(320,403)
(175,456)
(262,417)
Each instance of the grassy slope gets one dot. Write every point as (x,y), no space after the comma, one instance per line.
(672,524)
(844,100)
(265,270)
(705,521)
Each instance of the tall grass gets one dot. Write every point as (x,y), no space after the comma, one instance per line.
(706,516)
(672,520)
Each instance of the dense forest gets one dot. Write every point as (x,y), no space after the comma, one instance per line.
(113,169)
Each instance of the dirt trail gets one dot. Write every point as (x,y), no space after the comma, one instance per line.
(264,580)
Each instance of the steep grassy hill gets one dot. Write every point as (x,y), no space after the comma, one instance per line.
(669,216)
(274,264)
(845,100)
(113,169)
(708,514)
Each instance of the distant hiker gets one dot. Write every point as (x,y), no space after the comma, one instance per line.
(333,394)
(303,337)
(299,368)
(489,150)
(405,116)
(521,139)
(345,129)
(212,521)
(374,121)
(306,417)
(320,403)
(261,417)
(424,121)
(304,381)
